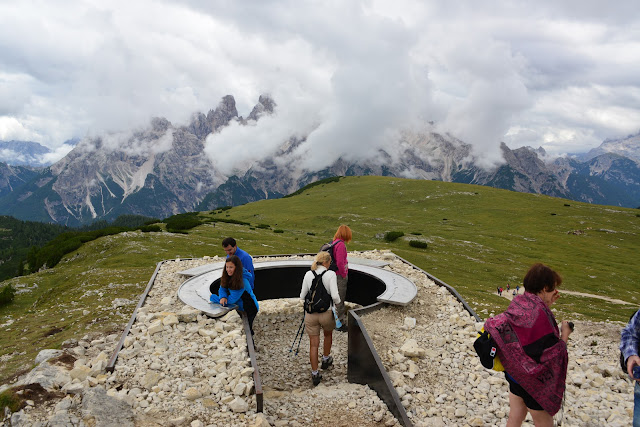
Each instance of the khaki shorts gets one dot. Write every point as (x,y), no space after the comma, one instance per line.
(313,322)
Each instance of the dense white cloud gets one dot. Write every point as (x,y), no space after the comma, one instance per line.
(347,75)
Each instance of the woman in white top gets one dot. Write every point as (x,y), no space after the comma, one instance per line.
(314,321)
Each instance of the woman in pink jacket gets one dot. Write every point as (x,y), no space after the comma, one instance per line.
(340,239)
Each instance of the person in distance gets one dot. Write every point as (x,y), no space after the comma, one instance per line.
(532,349)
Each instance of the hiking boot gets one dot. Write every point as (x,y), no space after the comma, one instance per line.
(342,328)
(327,363)
(316,378)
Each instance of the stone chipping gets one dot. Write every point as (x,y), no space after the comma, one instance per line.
(427,349)
(180,368)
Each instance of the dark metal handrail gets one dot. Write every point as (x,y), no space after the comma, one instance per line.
(257,382)
(112,361)
(365,366)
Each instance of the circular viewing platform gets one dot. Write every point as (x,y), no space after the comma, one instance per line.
(369,282)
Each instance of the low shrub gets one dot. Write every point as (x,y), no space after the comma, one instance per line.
(7,294)
(391,236)
(263,226)
(311,234)
(416,233)
(278,231)
(231,221)
(418,244)
(132,221)
(150,229)
(182,222)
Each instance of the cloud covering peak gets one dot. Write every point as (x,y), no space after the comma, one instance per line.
(346,76)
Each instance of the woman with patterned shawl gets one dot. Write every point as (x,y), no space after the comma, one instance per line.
(532,349)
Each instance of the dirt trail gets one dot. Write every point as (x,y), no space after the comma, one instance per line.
(509,295)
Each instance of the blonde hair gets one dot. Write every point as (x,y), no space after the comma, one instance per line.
(320,259)
(343,233)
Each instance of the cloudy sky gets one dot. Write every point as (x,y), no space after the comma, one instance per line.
(347,74)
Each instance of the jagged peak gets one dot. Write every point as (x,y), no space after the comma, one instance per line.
(265,105)
(160,124)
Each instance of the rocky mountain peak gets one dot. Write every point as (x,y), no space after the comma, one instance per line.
(23,153)
(265,105)
(202,125)
(223,114)
(160,124)
(164,170)
(628,146)
(199,125)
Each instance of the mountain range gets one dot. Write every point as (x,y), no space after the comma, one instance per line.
(164,170)
(23,153)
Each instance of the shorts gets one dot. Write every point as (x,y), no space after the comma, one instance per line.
(313,322)
(517,389)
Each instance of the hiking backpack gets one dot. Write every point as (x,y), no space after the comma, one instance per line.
(317,299)
(328,247)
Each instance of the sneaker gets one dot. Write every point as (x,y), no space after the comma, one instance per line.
(316,378)
(342,328)
(328,362)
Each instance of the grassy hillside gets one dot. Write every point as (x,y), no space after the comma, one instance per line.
(478,238)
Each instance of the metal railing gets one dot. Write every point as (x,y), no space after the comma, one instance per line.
(364,366)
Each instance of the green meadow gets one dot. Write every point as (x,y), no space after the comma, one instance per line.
(477,238)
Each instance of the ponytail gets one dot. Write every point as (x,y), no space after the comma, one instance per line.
(319,259)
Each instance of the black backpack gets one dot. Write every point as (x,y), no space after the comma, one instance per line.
(328,247)
(317,299)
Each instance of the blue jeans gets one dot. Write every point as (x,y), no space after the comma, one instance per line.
(636,405)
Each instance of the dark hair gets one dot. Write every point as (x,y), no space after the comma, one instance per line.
(540,277)
(229,241)
(235,282)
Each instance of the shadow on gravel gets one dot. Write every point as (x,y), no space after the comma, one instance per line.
(281,370)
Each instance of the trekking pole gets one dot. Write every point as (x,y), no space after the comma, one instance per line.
(300,339)
(296,337)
